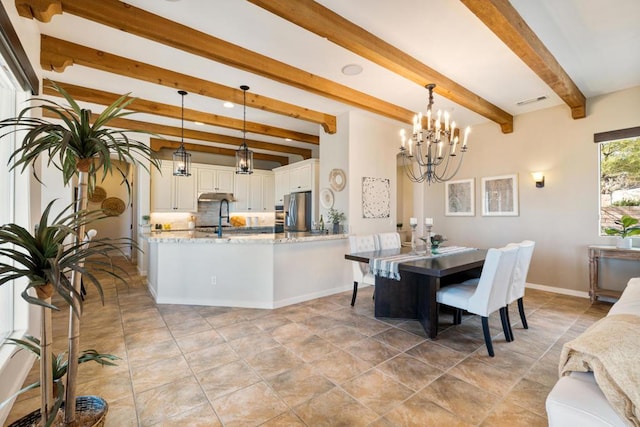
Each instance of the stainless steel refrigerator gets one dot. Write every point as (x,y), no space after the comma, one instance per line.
(297,211)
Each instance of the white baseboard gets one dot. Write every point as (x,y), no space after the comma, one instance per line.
(555,290)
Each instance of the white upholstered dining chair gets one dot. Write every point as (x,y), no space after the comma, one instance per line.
(488,295)
(361,273)
(516,291)
(389,240)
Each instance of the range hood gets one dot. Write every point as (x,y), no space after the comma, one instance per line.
(216,197)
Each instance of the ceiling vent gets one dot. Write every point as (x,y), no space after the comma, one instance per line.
(531,101)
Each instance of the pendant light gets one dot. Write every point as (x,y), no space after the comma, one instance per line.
(244,156)
(182,159)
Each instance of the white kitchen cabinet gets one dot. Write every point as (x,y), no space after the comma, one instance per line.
(268,191)
(172,193)
(254,193)
(300,178)
(281,185)
(212,179)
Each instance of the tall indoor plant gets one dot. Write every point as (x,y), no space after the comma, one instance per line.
(81,146)
(44,258)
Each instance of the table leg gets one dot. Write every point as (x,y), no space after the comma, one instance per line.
(396,299)
(427,305)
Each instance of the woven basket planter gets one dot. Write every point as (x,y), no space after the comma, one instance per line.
(93,409)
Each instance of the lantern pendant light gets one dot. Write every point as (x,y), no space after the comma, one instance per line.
(182,159)
(244,156)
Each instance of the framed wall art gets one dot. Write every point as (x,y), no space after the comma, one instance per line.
(460,198)
(500,195)
(376,198)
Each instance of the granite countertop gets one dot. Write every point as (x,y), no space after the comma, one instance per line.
(237,238)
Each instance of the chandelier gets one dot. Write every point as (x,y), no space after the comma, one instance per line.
(432,154)
(244,156)
(182,159)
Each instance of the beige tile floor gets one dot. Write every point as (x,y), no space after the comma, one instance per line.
(317,363)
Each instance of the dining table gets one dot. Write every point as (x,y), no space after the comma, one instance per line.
(413,296)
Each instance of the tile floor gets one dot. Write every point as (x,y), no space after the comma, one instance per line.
(317,363)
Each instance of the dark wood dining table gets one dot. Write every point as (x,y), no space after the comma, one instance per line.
(414,295)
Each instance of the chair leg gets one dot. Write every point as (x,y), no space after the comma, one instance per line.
(457,316)
(487,335)
(504,318)
(355,292)
(522,316)
(506,309)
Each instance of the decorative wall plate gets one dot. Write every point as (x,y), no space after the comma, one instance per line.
(337,179)
(113,206)
(98,195)
(326,198)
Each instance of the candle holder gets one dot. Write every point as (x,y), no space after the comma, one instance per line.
(413,238)
(427,238)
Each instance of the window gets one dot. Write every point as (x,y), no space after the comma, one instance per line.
(619,175)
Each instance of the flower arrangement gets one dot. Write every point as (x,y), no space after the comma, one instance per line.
(437,239)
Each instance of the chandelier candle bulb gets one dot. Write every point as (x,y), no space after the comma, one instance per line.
(453,149)
(428,119)
(466,137)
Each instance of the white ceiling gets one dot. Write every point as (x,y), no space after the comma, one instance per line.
(596,43)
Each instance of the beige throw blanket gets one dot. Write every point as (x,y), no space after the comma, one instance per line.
(610,348)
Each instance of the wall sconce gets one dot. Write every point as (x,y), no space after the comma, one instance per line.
(538,177)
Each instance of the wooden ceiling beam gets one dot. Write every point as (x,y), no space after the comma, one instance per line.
(159,129)
(506,23)
(57,54)
(158,144)
(139,22)
(324,22)
(96,96)
(42,10)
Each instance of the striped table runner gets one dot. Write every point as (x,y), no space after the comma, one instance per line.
(388,266)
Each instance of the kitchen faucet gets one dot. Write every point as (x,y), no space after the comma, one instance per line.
(220,216)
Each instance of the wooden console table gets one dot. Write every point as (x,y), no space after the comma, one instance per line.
(595,253)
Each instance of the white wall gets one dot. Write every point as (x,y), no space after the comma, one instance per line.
(562,217)
(364,146)
(334,154)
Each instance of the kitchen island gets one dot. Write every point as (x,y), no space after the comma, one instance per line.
(246,270)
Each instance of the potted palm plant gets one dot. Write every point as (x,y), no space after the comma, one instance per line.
(80,145)
(44,259)
(58,370)
(626,227)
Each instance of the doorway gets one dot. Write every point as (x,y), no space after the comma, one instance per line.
(116,193)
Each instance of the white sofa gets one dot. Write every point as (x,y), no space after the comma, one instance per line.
(576,399)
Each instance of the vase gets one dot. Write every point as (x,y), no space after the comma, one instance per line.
(336,228)
(624,243)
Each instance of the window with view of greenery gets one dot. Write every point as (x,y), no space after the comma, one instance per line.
(619,180)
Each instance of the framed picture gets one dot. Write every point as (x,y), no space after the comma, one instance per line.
(500,195)
(376,197)
(460,198)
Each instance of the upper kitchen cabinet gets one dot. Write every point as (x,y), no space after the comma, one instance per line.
(254,192)
(172,193)
(296,177)
(281,185)
(215,179)
(301,177)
